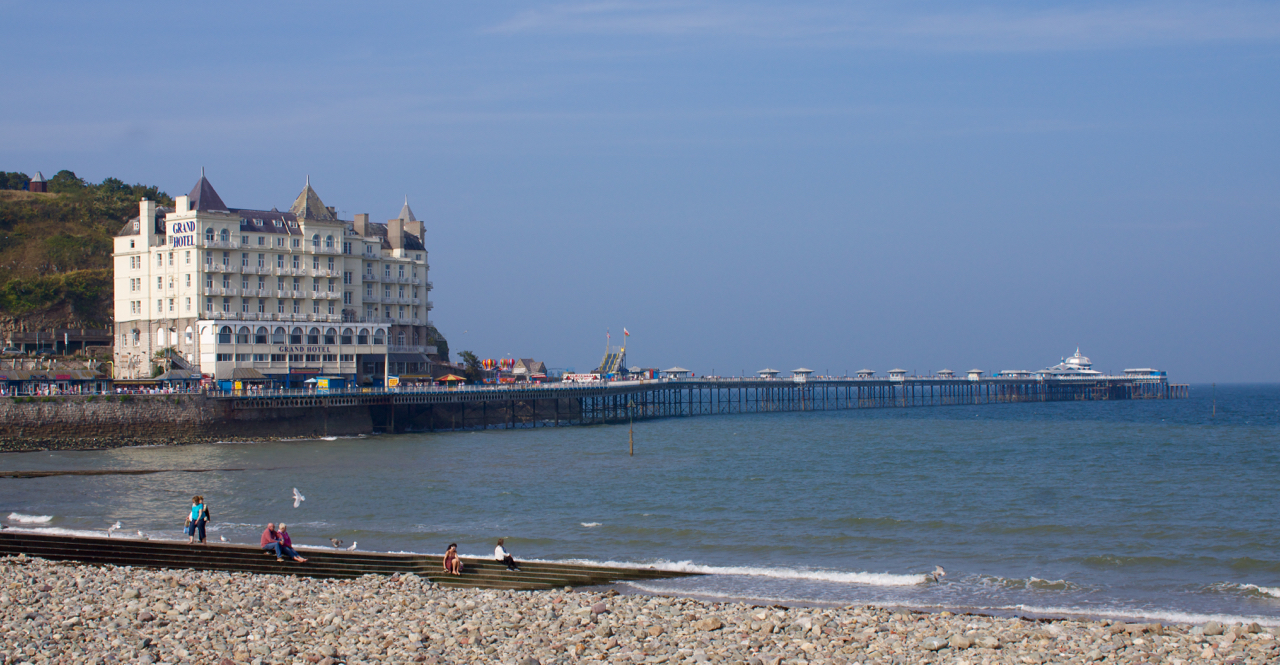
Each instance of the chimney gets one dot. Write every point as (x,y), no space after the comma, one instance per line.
(416,228)
(361,225)
(147,221)
(395,233)
(182,204)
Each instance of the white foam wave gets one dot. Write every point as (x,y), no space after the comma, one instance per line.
(87,533)
(1166,616)
(30,519)
(590,524)
(870,579)
(660,590)
(1268,590)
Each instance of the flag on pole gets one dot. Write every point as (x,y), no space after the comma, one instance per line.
(625,333)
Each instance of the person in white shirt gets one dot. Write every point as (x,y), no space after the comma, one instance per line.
(500,553)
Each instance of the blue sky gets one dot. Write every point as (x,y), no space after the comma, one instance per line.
(837,185)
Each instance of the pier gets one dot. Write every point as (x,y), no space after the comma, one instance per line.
(549,405)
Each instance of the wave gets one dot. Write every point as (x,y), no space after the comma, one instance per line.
(1031,583)
(1272,591)
(870,579)
(30,519)
(88,533)
(1166,616)
(657,589)
(590,524)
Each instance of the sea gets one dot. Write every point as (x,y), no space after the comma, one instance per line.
(1156,510)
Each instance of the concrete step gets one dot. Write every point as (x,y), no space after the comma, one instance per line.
(323,563)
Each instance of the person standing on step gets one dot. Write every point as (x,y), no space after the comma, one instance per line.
(197,520)
(500,553)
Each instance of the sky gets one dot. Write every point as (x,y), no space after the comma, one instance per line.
(741,185)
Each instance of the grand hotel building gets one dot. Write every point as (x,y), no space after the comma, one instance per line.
(253,294)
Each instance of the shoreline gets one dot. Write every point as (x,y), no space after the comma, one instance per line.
(109,613)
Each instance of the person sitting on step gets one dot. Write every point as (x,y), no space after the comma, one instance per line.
(500,553)
(272,542)
(452,564)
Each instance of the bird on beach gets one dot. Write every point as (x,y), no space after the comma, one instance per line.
(938,573)
(223,538)
(142,536)
(353,546)
(336,543)
(297,497)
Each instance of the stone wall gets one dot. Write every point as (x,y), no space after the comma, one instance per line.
(110,421)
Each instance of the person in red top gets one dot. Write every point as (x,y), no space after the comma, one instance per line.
(271,541)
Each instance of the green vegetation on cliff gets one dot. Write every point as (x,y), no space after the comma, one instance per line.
(55,248)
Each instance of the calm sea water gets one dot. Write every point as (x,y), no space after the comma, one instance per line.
(1148,509)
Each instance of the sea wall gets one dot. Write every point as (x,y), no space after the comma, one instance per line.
(109,421)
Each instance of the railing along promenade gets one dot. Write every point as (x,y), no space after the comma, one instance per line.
(551,404)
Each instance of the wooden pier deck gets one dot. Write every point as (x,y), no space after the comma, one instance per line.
(546,405)
(322,563)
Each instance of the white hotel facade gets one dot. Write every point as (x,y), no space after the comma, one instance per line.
(271,295)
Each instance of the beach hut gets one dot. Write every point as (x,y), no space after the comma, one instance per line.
(676,373)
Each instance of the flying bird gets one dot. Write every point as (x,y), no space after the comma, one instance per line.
(112,528)
(336,543)
(353,546)
(938,573)
(297,497)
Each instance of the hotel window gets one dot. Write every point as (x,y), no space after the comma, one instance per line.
(295,336)
(315,241)
(331,264)
(277,335)
(208,281)
(226,282)
(159,283)
(225,235)
(244,305)
(188,253)
(279,241)
(279,260)
(226,259)
(400,338)
(295,263)
(137,336)
(348,357)
(401,312)
(188,279)
(208,304)
(346,248)
(262,283)
(224,357)
(171,304)
(332,283)
(415,338)
(312,358)
(295,357)
(226,304)
(124,339)
(170,258)
(262,260)
(244,240)
(386,291)
(159,307)
(297,284)
(297,242)
(262,305)
(401,271)
(262,240)
(347,277)
(315,263)
(315,286)
(208,236)
(244,283)
(280,283)
(363,337)
(244,259)
(297,306)
(260,357)
(328,243)
(159,260)
(208,258)
(331,357)
(386,271)
(188,332)
(330,336)
(188,307)
(315,306)
(331,307)
(346,297)
(260,335)
(400,294)
(242,335)
(135,228)
(368,290)
(313,336)
(242,357)
(346,336)
(280,307)
(170,283)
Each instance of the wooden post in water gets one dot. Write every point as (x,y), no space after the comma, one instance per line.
(631,428)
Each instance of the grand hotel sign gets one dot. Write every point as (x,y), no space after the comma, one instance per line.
(183,234)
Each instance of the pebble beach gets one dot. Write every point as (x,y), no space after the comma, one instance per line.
(64,612)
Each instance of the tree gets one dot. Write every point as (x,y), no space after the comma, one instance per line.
(473,371)
(15,180)
(66,182)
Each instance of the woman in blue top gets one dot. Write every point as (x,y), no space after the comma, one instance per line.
(197,519)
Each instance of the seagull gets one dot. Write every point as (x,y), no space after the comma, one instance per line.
(336,543)
(142,536)
(112,528)
(353,547)
(938,573)
(297,497)
(223,538)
